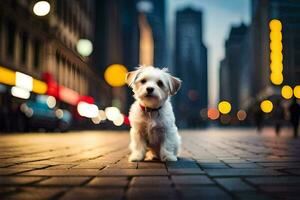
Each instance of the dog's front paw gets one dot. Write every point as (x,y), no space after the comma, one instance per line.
(135,157)
(168,158)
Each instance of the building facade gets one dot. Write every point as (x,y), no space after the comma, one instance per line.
(190,66)
(232,66)
(39,45)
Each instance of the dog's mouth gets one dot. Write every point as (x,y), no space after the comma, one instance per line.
(151,96)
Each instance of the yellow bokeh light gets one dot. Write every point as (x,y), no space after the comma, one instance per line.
(39,87)
(297,91)
(275,25)
(276,56)
(276,67)
(224,107)
(276,78)
(276,46)
(115,75)
(286,92)
(7,76)
(275,36)
(266,106)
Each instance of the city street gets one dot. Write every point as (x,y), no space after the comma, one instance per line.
(214,164)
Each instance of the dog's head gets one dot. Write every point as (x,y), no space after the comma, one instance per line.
(152,86)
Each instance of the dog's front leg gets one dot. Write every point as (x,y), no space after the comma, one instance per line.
(137,146)
(169,148)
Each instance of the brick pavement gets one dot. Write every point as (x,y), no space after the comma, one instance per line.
(214,164)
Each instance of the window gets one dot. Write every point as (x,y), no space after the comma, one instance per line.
(10,32)
(24,48)
(36,58)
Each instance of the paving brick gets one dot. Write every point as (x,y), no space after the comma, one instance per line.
(108,182)
(123,165)
(242,172)
(149,193)
(64,181)
(244,165)
(133,172)
(34,193)
(234,184)
(281,180)
(203,192)
(93,193)
(213,166)
(191,180)
(151,165)
(186,171)
(252,195)
(151,181)
(67,172)
(18,180)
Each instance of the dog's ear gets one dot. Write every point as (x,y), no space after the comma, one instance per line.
(131,77)
(174,84)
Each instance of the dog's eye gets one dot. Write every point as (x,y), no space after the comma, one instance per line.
(143,81)
(160,83)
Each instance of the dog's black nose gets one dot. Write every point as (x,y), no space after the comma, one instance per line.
(149,90)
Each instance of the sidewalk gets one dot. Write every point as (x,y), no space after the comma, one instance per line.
(214,164)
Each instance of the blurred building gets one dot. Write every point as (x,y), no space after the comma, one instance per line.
(130,33)
(44,47)
(190,66)
(231,67)
(263,11)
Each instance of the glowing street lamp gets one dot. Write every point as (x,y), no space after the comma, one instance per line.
(41,8)
(84,47)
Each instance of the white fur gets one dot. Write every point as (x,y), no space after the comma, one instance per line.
(156,130)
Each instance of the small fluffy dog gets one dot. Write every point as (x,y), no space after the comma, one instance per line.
(151,115)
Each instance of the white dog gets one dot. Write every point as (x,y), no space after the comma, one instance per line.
(151,115)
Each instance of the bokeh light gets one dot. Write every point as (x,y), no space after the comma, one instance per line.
(275,25)
(286,92)
(276,78)
(224,107)
(20,92)
(51,102)
(41,8)
(87,110)
(297,91)
(266,106)
(59,113)
(213,113)
(84,47)
(115,75)
(241,115)
(112,113)
(119,120)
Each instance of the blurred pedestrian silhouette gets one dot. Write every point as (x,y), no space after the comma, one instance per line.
(294,115)
(278,114)
(258,117)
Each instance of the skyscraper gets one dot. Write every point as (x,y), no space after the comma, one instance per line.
(191,67)
(231,66)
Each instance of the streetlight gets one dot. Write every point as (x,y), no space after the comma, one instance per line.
(84,47)
(41,8)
